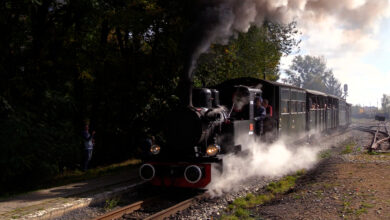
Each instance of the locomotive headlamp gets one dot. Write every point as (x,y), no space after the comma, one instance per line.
(155,149)
(212,150)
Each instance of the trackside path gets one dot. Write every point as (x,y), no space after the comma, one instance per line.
(53,202)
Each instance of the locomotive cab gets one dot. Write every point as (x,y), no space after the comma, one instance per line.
(243,111)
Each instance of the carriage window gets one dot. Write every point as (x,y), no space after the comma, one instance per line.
(302,96)
(293,106)
(294,95)
(285,94)
(284,106)
(312,104)
(301,106)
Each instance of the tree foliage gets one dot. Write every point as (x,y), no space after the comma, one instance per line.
(256,54)
(65,62)
(385,102)
(311,72)
(114,63)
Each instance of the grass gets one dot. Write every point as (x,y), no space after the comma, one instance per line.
(240,208)
(372,153)
(282,186)
(367,205)
(111,203)
(349,210)
(96,172)
(242,213)
(360,211)
(371,156)
(229,217)
(325,154)
(348,148)
(319,193)
(250,201)
(378,153)
(347,207)
(329,185)
(297,196)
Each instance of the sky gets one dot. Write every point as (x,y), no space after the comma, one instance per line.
(355,40)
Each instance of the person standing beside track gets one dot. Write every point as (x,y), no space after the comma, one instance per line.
(89,143)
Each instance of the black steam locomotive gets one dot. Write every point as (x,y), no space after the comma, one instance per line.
(218,119)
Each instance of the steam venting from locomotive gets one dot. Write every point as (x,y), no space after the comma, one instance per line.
(263,160)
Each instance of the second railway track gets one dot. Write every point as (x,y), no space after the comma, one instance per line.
(379,136)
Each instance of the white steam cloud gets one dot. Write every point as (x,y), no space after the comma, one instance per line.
(262,160)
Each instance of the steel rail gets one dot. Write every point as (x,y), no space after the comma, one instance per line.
(365,129)
(174,209)
(117,213)
(375,142)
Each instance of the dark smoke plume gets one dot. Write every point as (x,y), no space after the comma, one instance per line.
(218,20)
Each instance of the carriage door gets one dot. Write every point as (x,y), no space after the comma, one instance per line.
(284,119)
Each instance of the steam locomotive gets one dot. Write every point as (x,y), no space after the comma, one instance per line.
(210,127)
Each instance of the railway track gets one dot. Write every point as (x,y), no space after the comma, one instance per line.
(154,208)
(175,208)
(118,213)
(376,140)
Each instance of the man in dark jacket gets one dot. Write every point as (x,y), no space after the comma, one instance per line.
(89,142)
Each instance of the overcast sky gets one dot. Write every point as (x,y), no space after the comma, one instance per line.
(354,38)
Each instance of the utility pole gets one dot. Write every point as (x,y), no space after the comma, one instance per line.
(345,91)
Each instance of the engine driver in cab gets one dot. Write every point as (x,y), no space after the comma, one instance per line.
(268,108)
(259,115)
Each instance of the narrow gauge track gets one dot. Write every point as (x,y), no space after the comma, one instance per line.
(175,208)
(153,208)
(118,213)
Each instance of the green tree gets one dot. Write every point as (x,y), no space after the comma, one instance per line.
(256,53)
(115,63)
(385,101)
(311,72)
(333,86)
